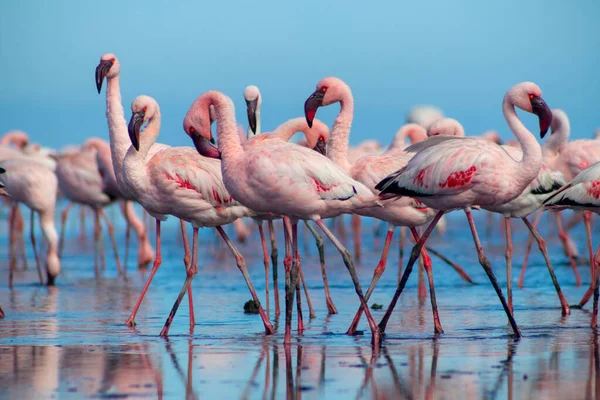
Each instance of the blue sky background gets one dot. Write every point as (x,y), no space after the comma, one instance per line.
(459,55)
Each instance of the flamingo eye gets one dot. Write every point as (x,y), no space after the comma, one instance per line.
(144,109)
(191,130)
(531,96)
(321,138)
(323,89)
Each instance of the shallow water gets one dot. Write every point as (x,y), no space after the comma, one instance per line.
(69,341)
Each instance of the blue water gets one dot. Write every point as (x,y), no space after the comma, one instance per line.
(70,341)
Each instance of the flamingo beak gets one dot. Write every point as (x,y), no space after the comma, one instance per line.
(321,146)
(311,105)
(251,106)
(135,123)
(205,148)
(101,71)
(541,109)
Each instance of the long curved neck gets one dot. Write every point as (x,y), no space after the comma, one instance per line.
(289,128)
(117,125)
(337,145)
(227,133)
(558,138)
(530,164)
(149,135)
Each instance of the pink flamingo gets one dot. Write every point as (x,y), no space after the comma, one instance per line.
(16,138)
(424,115)
(531,199)
(298,182)
(34,185)
(177,181)
(80,181)
(583,193)
(253,102)
(450,173)
(110,68)
(369,170)
(111,187)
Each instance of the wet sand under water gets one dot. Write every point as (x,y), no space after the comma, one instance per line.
(70,342)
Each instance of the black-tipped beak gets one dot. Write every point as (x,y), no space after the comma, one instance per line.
(321,146)
(135,124)
(251,106)
(311,105)
(101,71)
(205,148)
(541,109)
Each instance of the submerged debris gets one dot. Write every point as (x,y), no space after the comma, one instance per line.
(376,306)
(251,307)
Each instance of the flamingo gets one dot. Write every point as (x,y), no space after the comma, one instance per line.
(450,173)
(583,193)
(543,186)
(34,185)
(424,115)
(282,179)
(16,138)
(110,186)
(177,181)
(109,68)
(80,181)
(369,170)
(316,139)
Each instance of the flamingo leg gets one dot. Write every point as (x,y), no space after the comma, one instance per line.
(356,225)
(311,310)
(542,245)
(485,263)
(20,238)
(1,313)
(11,246)
(274,255)
(81,223)
(190,274)
(289,289)
(157,261)
(63,221)
(241,264)
(123,205)
(414,255)
(186,262)
(331,308)
(565,239)
(101,242)
(529,244)
(376,335)
(379,269)
(111,233)
(296,266)
(33,244)
(97,233)
(594,322)
(508,257)
(401,251)
(266,263)
(437,325)
(588,294)
(421,290)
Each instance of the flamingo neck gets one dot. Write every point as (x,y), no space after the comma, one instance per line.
(149,134)
(530,164)
(558,138)
(289,128)
(49,232)
(117,126)
(227,132)
(337,145)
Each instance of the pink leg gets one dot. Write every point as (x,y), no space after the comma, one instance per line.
(11,245)
(379,269)
(437,325)
(123,206)
(529,243)
(508,256)
(356,231)
(131,320)
(542,245)
(565,239)
(63,221)
(33,244)
(311,310)
(414,255)
(81,223)
(421,290)
(375,334)
(1,313)
(274,256)
(594,322)
(485,263)
(19,227)
(111,233)
(289,289)
(266,262)
(331,309)
(298,273)
(97,239)
(241,264)
(191,273)
(588,294)
(186,261)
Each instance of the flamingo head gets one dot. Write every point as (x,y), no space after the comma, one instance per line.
(53,267)
(329,90)
(197,125)
(446,126)
(492,136)
(143,109)
(528,97)
(253,101)
(317,136)
(107,68)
